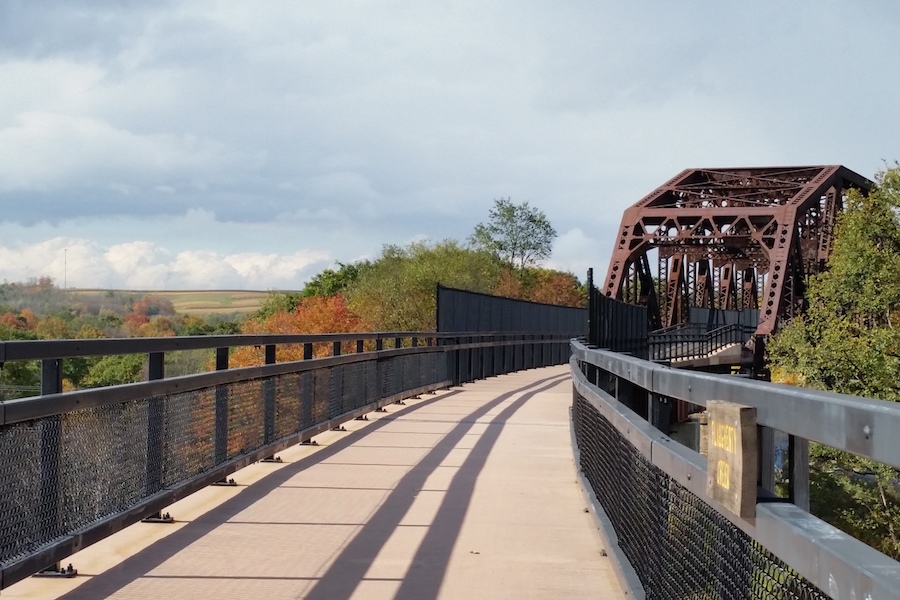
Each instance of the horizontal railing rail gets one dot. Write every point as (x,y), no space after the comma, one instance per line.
(652,491)
(78,466)
(72,348)
(694,341)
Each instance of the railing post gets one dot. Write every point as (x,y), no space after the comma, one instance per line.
(156,415)
(221,410)
(268,391)
(51,439)
(336,348)
(360,348)
(307,351)
(798,463)
(767,458)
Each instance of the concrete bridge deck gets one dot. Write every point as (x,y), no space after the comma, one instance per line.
(468,493)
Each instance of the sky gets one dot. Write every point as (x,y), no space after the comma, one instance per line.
(250,145)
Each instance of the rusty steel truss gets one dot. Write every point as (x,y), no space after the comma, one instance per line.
(729,239)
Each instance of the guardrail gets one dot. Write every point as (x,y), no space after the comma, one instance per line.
(78,466)
(671,538)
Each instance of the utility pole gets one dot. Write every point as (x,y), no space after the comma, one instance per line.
(65,268)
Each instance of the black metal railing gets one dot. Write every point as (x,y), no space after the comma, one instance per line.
(694,340)
(669,535)
(78,466)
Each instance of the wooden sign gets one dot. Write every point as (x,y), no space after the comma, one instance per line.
(732,459)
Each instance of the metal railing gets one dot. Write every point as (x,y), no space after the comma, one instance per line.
(694,340)
(78,466)
(674,540)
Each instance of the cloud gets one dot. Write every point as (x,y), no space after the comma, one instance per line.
(49,151)
(142,265)
(576,252)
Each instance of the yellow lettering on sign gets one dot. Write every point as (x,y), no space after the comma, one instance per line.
(723,474)
(724,436)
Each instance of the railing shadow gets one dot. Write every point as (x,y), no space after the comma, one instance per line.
(151,557)
(344,575)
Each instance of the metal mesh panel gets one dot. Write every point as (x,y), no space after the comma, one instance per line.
(245,418)
(389,376)
(22,513)
(679,546)
(188,435)
(321,395)
(288,413)
(103,466)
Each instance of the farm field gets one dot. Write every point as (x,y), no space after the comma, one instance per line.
(197,302)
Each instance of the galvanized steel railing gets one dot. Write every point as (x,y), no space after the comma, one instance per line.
(671,538)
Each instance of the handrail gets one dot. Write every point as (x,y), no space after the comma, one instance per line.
(71,348)
(694,340)
(838,564)
(862,426)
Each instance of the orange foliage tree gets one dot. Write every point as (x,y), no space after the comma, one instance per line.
(316,314)
(556,287)
(541,285)
(151,304)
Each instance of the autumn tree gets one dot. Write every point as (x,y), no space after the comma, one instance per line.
(519,234)
(848,341)
(150,305)
(317,314)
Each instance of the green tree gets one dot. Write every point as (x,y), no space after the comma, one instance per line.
(519,234)
(114,370)
(849,338)
(397,292)
(330,281)
(19,378)
(848,341)
(277,302)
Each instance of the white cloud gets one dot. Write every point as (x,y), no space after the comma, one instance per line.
(143,265)
(576,252)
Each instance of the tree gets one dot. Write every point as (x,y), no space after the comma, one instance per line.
(330,282)
(397,293)
(541,285)
(849,338)
(115,370)
(516,233)
(276,302)
(317,314)
(848,342)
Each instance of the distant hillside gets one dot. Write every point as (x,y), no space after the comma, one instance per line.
(194,302)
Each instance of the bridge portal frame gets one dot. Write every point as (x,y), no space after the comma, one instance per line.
(725,236)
